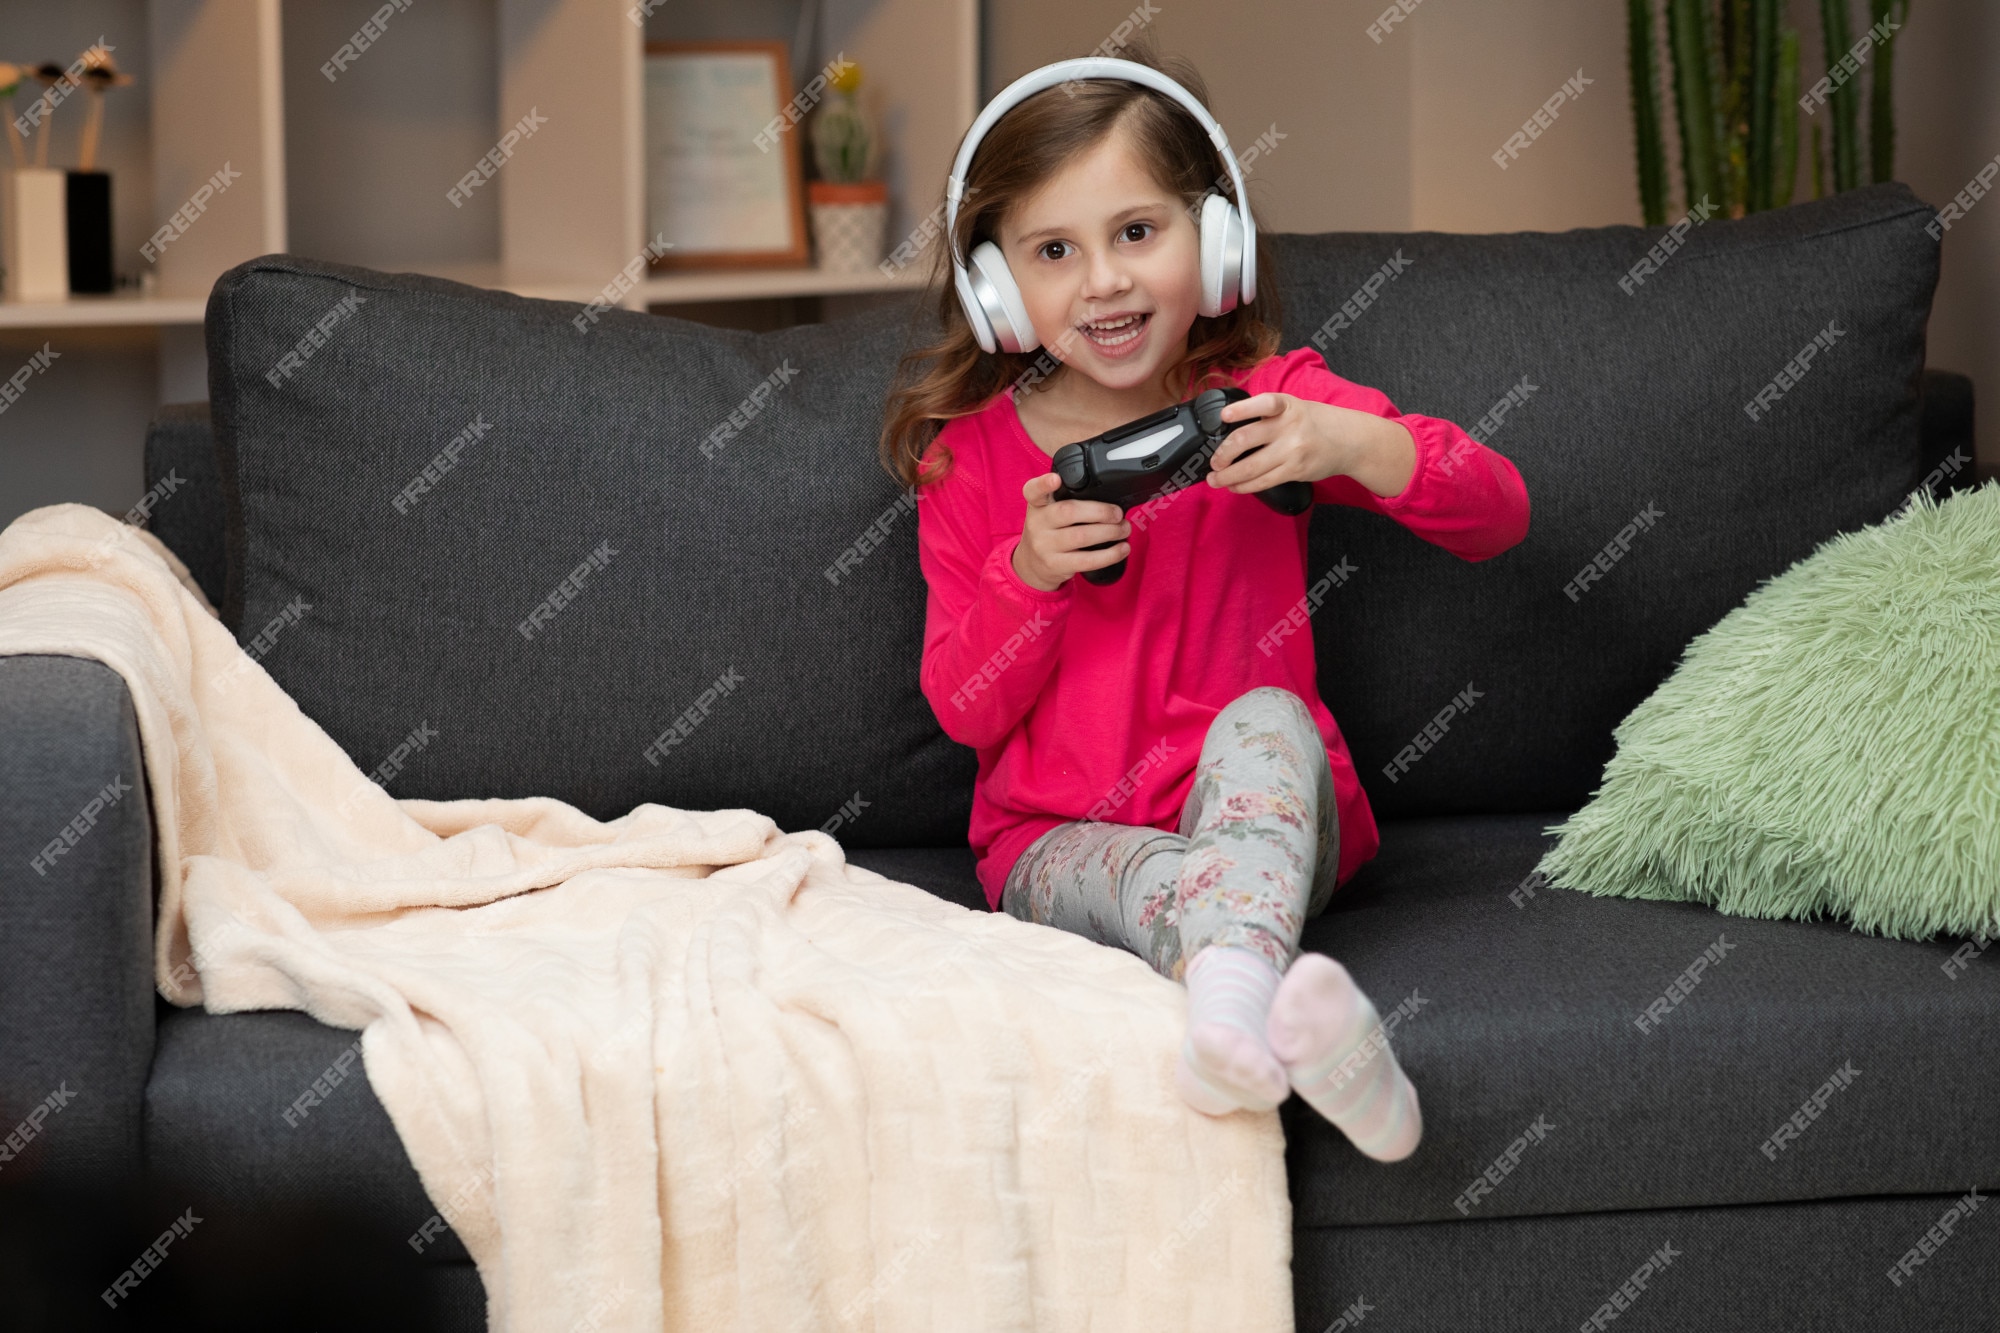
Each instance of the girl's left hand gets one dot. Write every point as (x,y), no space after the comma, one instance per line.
(1304,440)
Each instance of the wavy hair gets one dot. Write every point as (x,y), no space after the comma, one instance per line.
(952,376)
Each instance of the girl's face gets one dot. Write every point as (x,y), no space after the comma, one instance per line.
(1109,266)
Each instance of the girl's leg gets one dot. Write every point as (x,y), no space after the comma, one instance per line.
(1262,811)
(1262,828)
(1112,883)
(1263,844)
(1262,815)
(1119,885)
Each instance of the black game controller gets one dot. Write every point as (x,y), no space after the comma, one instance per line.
(1141,460)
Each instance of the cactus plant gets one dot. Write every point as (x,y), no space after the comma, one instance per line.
(1646,113)
(840,137)
(1882,95)
(1731,74)
(1835,38)
(1736,84)
(1642,38)
(1688,38)
(1761,116)
(1784,108)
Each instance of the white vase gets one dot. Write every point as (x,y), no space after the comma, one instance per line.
(848,224)
(34,221)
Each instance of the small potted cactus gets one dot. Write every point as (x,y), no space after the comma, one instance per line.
(850,208)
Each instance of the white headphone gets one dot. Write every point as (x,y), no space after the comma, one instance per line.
(992,301)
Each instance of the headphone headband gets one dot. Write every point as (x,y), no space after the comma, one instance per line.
(1087,67)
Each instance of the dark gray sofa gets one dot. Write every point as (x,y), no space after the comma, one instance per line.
(1614,1154)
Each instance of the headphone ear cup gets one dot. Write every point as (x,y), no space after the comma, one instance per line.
(1221,255)
(975,314)
(1000,300)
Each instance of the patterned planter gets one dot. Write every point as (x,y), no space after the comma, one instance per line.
(848,222)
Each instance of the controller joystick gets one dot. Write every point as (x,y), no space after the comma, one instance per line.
(1144,459)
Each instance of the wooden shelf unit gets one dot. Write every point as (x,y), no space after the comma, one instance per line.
(571,212)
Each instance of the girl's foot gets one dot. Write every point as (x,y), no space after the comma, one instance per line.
(1330,1039)
(1225,1063)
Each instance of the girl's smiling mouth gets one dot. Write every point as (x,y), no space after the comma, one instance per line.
(1117,335)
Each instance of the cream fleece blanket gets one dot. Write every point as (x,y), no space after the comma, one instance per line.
(679,1070)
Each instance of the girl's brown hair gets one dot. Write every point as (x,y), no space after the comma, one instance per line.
(952,376)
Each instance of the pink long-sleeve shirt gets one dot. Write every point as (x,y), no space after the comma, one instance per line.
(1093,702)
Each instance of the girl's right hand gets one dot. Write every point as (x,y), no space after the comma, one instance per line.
(1056,531)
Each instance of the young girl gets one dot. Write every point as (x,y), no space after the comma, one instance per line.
(1156,769)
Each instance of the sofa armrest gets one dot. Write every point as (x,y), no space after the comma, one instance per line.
(1946,445)
(76,923)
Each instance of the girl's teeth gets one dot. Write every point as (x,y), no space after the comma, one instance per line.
(1113,334)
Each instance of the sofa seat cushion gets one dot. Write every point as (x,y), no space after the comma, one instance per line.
(945,871)
(1526,1035)
(1523,1013)
(216,1128)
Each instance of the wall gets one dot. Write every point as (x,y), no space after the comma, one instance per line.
(369,154)
(1948,114)
(1341,101)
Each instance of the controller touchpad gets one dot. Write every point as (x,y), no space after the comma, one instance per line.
(1151,442)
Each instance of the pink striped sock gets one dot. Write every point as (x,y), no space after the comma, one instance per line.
(1226,1064)
(1330,1039)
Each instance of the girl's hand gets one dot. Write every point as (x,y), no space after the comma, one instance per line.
(1055,531)
(1304,440)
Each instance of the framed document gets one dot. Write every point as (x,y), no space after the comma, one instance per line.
(721,185)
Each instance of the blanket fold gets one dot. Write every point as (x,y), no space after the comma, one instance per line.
(678,1069)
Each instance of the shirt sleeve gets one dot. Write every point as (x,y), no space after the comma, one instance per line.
(1462,496)
(990,640)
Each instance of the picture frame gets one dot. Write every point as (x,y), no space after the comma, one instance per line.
(720,187)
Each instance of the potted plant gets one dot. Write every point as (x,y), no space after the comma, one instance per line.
(1736,79)
(33,220)
(850,208)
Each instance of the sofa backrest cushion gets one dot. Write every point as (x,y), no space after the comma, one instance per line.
(1681,441)
(498,553)
(658,561)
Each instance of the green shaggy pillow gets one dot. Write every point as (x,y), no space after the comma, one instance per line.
(1830,746)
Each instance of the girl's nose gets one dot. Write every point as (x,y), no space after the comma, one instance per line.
(1106,276)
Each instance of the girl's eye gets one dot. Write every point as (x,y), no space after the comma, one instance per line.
(1043,251)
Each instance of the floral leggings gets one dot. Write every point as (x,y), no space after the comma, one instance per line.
(1255,857)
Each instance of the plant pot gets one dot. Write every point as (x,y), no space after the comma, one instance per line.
(848,222)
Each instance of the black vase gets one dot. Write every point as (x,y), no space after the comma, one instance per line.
(89,197)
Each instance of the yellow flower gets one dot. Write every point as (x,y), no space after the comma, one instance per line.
(848,78)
